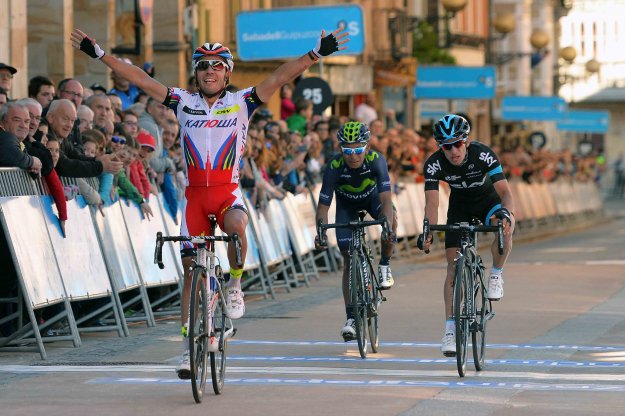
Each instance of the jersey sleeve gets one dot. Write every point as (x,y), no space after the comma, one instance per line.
(251,100)
(175,98)
(381,168)
(490,163)
(328,183)
(431,170)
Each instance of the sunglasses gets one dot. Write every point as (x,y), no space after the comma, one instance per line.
(447,146)
(117,139)
(217,65)
(353,150)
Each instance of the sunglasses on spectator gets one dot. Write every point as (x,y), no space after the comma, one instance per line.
(448,146)
(117,139)
(353,150)
(217,65)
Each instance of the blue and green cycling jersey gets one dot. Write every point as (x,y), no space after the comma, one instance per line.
(354,186)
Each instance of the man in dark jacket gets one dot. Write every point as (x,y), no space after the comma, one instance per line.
(14,117)
(61,117)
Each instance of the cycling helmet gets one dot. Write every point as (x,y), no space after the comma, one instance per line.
(214,49)
(354,132)
(451,128)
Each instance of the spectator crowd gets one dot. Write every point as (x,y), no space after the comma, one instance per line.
(131,144)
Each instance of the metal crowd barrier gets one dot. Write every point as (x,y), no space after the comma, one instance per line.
(104,264)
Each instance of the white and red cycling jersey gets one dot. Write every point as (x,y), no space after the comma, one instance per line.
(213,138)
(213,143)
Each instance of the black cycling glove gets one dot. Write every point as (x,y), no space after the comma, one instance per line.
(326,46)
(503,213)
(88,46)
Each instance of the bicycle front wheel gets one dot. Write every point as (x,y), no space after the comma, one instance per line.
(460,315)
(373,315)
(482,308)
(221,327)
(198,333)
(356,289)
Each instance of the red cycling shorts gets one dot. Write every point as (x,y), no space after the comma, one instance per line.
(201,201)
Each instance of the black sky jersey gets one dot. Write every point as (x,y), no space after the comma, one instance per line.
(472,180)
(354,185)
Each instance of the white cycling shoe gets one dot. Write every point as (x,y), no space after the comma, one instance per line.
(348,332)
(184,367)
(235,307)
(448,344)
(495,287)
(386,277)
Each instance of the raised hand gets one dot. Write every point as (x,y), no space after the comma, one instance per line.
(327,45)
(81,41)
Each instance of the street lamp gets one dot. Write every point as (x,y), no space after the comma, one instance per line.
(539,39)
(568,55)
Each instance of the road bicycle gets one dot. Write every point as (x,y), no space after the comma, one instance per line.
(471,307)
(364,290)
(208,327)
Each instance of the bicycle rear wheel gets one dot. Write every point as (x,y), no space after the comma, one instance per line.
(221,326)
(358,305)
(373,315)
(198,333)
(460,315)
(482,308)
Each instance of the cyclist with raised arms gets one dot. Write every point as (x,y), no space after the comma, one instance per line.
(359,178)
(213,129)
(480,190)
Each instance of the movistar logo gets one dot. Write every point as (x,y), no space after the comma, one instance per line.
(210,123)
(372,156)
(356,190)
(337,163)
(227,110)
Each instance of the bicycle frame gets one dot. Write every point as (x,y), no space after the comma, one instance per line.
(365,298)
(465,293)
(202,329)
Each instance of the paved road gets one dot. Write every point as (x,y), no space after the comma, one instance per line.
(556,346)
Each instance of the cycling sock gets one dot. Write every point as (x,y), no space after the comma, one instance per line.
(235,278)
(384,261)
(348,313)
(496,271)
(450,326)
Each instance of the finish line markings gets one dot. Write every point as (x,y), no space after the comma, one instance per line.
(436,345)
(382,383)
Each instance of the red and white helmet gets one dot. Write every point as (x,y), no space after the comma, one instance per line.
(214,49)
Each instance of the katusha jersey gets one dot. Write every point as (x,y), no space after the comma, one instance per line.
(213,138)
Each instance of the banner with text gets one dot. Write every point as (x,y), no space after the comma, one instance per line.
(455,82)
(535,108)
(585,121)
(292,32)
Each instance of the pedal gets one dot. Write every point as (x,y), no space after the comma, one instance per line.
(348,338)
(383,298)
(449,354)
(184,374)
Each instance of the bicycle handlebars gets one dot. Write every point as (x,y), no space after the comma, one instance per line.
(466,227)
(158,252)
(321,227)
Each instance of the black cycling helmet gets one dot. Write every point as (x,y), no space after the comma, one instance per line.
(451,128)
(354,132)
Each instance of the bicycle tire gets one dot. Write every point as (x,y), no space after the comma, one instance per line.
(373,315)
(218,358)
(198,333)
(478,336)
(459,310)
(358,306)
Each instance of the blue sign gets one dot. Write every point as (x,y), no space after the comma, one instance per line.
(291,32)
(455,82)
(584,121)
(534,108)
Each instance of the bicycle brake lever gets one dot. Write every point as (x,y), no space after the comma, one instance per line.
(158,251)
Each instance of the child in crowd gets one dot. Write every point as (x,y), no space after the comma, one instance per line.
(53,145)
(135,170)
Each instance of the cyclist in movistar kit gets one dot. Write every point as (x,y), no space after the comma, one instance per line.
(213,129)
(359,177)
(478,189)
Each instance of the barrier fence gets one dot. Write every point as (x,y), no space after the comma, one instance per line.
(100,275)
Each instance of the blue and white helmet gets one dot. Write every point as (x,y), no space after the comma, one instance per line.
(451,128)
